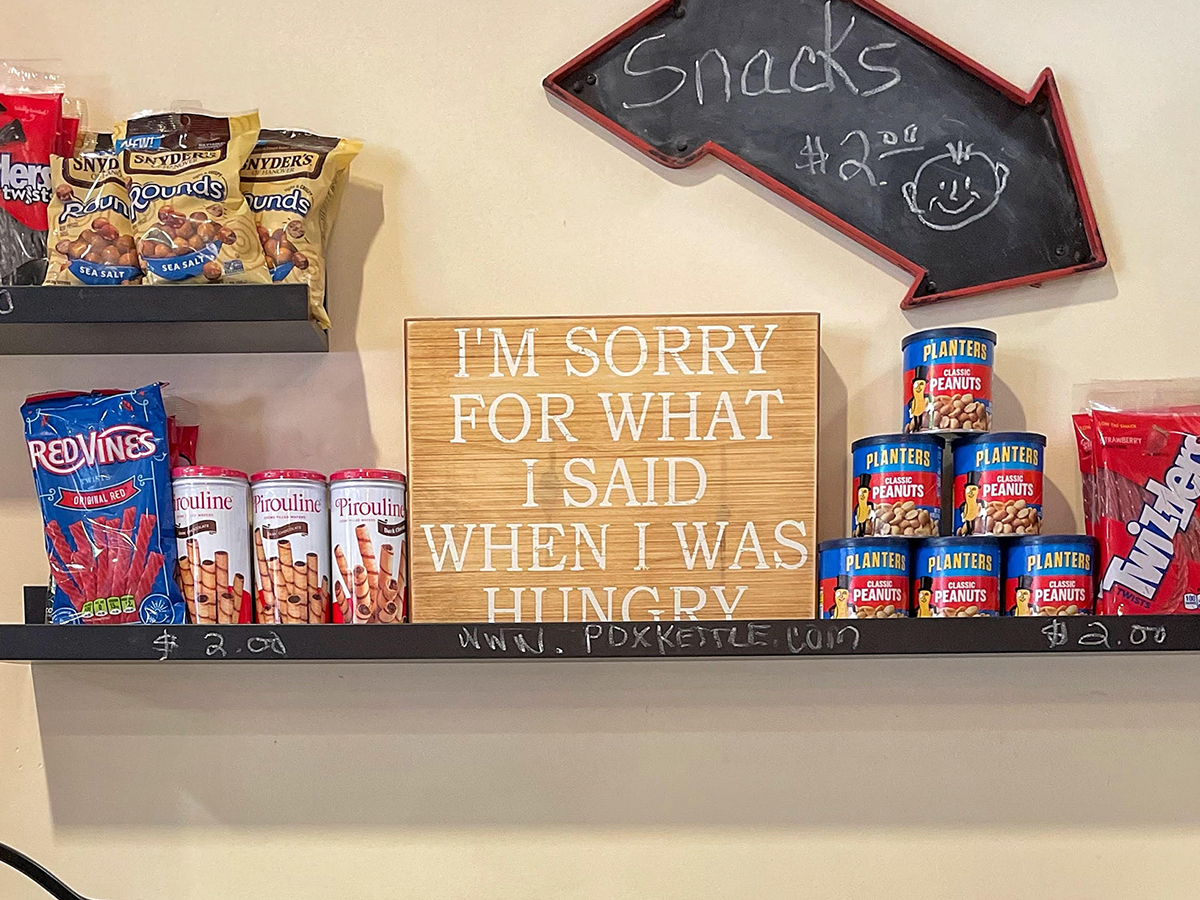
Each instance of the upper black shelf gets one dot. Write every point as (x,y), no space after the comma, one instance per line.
(223,318)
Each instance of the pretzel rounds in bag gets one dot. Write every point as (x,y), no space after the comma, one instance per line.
(91,225)
(191,221)
(293,181)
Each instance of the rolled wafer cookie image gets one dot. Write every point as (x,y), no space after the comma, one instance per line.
(298,599)
(316,600)
(385,563)
(226,609)
(366,551)
(221,561)
(273,610)
(389,610)
(343,601)
(239,594)
(286,570)
(188,586)
(364,607)
(297,611)
(206,601)
(224,594)
(265,595)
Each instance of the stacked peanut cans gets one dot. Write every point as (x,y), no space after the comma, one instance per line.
(938,568)
(259,548)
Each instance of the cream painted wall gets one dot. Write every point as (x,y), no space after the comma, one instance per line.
(981,778)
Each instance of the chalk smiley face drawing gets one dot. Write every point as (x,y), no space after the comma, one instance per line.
(956,188)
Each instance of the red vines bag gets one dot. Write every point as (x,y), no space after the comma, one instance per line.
(101,472)
(1147,470)
(29,125)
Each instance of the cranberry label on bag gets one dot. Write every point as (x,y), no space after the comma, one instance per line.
(957,578)
(864,579)
(1051,576)
(897,486)
(998,484)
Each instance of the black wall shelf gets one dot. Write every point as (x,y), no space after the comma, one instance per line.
(226,318)
(592,640)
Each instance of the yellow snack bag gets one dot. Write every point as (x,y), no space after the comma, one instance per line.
(91,228)
(191,221)
(293,182)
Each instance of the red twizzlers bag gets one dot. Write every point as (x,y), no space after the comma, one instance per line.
(29,126)
(1147,469)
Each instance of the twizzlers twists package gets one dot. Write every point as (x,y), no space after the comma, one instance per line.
(101,472)
(29,126)
(293,181)
(191,221)
(1147,469)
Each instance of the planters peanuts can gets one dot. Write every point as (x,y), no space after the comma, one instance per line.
(864,578)
(1050,576)
(956,577)
(948,379)
(897,490)
(998,484)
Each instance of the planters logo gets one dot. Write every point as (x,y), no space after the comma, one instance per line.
(976,561)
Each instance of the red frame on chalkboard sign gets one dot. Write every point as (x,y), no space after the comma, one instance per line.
(1045,85)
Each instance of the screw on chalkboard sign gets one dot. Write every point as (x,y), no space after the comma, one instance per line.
(862,119)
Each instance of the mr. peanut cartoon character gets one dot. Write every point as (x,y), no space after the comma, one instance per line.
(924,597)
(864,509)
(920,413)
(971,510)
(841,598)
(1024,592)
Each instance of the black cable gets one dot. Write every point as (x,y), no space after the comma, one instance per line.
(38,875)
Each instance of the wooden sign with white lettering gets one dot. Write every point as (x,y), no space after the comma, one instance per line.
(612,469)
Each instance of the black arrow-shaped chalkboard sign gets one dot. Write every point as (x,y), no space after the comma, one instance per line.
(861,118)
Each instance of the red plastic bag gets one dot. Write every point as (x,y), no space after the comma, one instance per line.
(1147,470)
(29,129)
